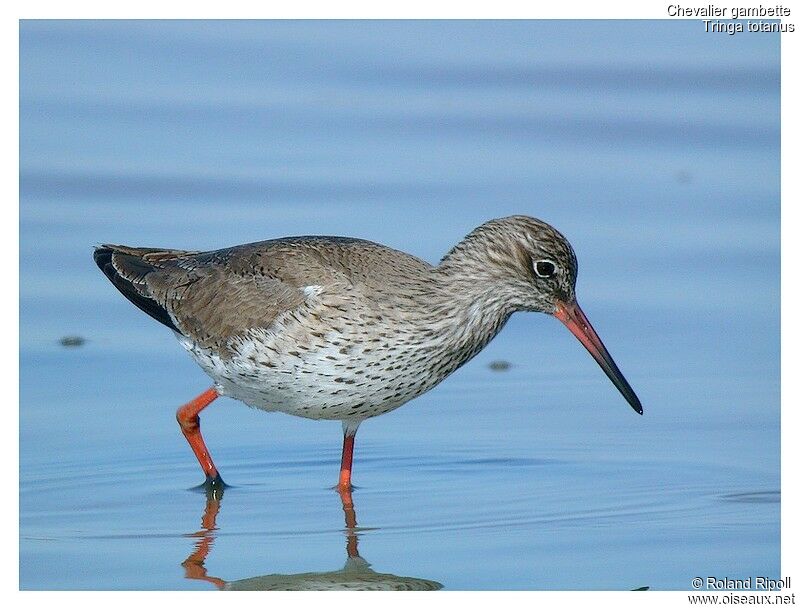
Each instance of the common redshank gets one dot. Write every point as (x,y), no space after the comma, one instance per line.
(347,329)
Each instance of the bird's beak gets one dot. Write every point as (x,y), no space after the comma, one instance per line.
(575,320)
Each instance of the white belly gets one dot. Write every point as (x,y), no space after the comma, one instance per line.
(317,383)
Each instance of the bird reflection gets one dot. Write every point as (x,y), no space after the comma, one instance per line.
(356,575)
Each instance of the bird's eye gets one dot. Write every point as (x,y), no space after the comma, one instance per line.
(544,268)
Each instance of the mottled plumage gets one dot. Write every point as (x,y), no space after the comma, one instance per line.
(340,328)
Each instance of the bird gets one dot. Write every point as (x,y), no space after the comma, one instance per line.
(339,328)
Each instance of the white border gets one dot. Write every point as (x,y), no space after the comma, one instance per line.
(364,9)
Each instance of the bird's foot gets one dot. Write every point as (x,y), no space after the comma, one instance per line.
(344,488)
(213,487)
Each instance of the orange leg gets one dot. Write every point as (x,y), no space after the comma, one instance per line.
(347,463)
(189,419)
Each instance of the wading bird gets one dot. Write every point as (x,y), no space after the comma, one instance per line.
(347,329)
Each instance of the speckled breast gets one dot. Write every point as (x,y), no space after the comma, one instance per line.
(351,372)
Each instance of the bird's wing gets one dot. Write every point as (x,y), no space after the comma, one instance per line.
(213,296)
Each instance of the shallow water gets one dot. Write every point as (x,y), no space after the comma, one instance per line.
(653,146)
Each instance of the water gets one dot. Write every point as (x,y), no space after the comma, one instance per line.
(653,146)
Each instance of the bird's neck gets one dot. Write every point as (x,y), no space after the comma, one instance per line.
(469,311)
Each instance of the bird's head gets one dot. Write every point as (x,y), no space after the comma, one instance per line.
(532,267)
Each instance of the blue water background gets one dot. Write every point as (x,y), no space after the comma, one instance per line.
(653,146)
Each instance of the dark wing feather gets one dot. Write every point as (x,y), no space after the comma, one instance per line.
(128,273)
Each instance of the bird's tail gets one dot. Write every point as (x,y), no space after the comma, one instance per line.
(128,268)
